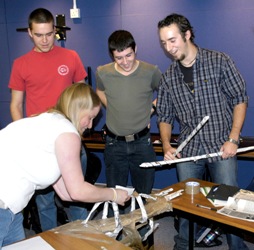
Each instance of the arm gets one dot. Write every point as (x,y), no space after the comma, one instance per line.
(102,96)
(154,102)
(16,106)
(229,149)
(156,81)
(81,81)
(153,109)
(71,185)
(165,133)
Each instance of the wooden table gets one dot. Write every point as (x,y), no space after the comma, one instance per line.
(91,241)
(94,142)
(187,203)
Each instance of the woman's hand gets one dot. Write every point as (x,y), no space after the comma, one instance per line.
(120,196)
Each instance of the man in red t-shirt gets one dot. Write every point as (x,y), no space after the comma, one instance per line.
(38,78)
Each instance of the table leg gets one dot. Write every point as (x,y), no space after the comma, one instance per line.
(191,234)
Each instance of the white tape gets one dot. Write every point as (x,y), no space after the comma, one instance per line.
(192,187)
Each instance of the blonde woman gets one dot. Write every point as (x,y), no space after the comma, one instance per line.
(54,138)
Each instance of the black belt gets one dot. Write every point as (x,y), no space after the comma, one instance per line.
(128,138)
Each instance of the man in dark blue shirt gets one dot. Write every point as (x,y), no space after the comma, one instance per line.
(200,83)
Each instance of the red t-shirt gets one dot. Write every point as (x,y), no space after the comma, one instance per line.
(43,76)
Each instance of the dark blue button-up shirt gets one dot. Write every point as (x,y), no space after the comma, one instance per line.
(218,87)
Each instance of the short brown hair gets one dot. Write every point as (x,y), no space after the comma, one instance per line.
(40,16)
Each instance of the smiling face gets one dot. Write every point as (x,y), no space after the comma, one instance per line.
(86,119)
(174,43)
(125,60)
(43,36)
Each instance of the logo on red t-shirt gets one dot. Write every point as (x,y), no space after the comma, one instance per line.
(63,70)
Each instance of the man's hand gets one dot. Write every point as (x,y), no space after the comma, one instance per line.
(229,149)
(169,153)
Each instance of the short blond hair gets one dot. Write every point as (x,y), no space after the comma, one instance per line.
(74,99)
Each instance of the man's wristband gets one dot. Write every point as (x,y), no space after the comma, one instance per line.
(233,141)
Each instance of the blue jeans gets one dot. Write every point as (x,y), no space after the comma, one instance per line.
(45,201)
(123,158)
(11,227)
(222,172)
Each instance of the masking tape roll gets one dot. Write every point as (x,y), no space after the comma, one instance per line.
(192,187)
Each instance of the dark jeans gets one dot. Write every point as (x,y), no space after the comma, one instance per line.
(124,158)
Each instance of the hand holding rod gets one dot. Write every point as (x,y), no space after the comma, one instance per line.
(192,158)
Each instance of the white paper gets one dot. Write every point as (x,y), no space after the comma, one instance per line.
(240,206)
(129,190)
(34,243)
